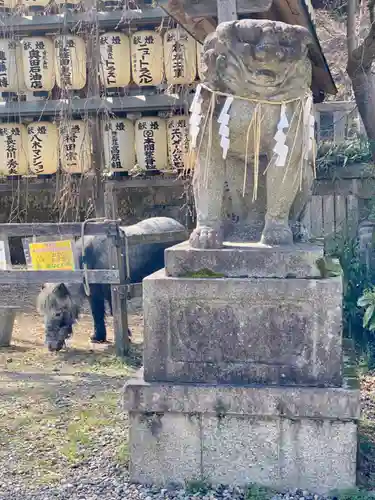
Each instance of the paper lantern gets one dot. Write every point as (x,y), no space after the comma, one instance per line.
(180,57)
(41,4)
(13,149)
(147,58)
(11,71)
(42,147)
(8,4)
(151,143)
(38,63)
(178,142)
(115,60)
(69,3)
(200,64)
(70,57)
(75,147)
(119,151)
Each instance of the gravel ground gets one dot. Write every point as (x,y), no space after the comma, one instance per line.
(63,434)
(101,480)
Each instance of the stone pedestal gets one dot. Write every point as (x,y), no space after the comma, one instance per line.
(280,437)
(242,378)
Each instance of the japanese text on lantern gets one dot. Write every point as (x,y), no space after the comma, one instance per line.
(147,58)
(64,57)
(108,58)
(38,63)
(119,150)
(115,157)
(35,63)
(42,146)
(54,255)
(36,138)
(148,133)
(4,62)
(178,58)
(10,136)
(70,137)
(178,142)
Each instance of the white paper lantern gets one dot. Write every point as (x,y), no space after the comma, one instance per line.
(75,147)
(178,142)
(13,149)
(151,143)
(38,63)
(147,58)
(8,4)
(43,148)
(70,57)
(41,4)
(119,149)
(11,70)
(73,3)
(115,62)
(180,57)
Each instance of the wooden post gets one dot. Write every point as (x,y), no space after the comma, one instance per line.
(117,261)
(226,10)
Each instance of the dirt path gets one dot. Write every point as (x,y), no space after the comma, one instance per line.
(57,412)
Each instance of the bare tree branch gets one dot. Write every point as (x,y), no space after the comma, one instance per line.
(350,27)
(363,56)
(371,5)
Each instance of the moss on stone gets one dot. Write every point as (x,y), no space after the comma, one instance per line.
(204,273)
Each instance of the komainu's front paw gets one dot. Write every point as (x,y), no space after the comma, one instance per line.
(276,233)
(206,237)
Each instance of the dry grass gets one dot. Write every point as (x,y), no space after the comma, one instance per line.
(58,410)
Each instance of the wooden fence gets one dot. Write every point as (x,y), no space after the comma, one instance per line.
(332,214)
(115,275)
(337,120)
(341,200)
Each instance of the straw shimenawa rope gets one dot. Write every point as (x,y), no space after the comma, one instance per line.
(255,125)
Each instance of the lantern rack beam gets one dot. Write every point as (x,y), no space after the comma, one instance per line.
(104,276)
(33,184)
(21,25)
(94,105)
(109,228)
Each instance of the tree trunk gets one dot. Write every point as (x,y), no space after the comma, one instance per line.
(364,91)
(360,59)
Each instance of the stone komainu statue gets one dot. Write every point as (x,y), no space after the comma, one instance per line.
(264,65)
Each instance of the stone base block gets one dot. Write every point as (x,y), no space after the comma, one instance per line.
(234,330)
(250,260)
(279,437)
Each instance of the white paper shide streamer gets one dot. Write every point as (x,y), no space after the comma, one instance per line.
(223,120)
(280,148)
(195,117)
(309,127)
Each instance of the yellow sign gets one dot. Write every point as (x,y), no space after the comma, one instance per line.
(52,256)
